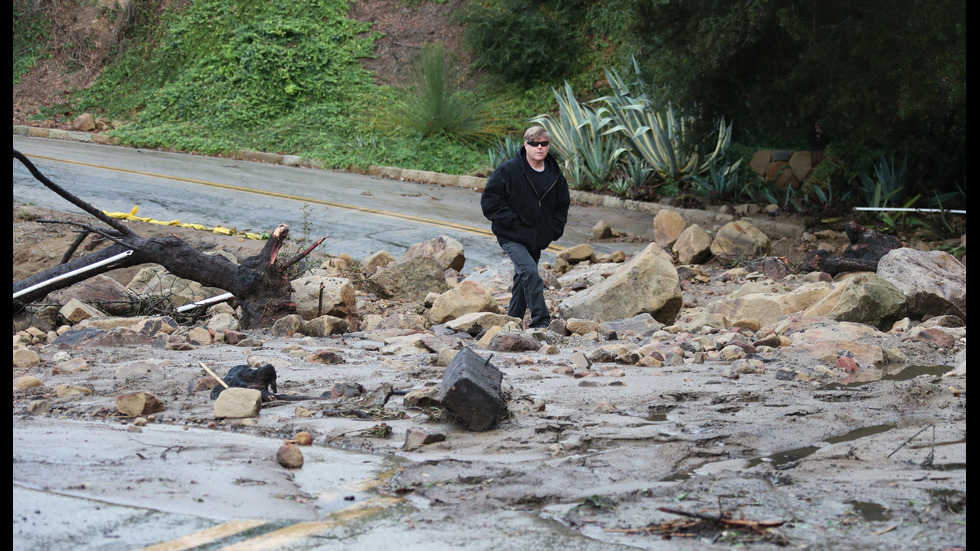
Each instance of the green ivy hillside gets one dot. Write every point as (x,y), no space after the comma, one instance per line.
(222,75)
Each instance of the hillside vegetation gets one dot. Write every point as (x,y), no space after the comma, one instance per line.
(317,78)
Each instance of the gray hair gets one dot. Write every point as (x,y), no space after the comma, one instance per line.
(535,132)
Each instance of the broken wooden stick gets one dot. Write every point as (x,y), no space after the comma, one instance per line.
(913,437)
(754,525)
(213,374)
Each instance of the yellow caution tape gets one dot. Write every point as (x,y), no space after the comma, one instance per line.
(131,215)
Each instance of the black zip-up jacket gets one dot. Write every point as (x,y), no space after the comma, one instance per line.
(518,211)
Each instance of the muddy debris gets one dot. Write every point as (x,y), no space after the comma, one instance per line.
(770,409)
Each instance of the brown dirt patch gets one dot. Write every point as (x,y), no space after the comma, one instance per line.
(406,30)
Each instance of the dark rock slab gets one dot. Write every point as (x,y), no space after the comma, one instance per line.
(471,390)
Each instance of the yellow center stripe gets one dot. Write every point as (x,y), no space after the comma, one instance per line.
(353,208)
(203,537)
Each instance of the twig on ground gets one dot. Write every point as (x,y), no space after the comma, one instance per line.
(913,437)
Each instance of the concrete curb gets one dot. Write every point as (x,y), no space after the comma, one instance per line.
(772,228)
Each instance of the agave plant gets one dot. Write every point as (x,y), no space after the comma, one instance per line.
(576,124)
(720,180)
(600,157)
(575,173)
(501,151)
(636,170)
(658,136)
(888,184)
(578,136)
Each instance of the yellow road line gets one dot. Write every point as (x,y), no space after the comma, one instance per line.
(343,206)
(282,538)
(206,536)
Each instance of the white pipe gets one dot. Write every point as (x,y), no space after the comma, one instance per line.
(73,273)
(891,209)
(212,300)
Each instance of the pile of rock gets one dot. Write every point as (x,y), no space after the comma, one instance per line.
(611,311)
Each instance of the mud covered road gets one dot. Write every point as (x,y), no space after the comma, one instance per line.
(584,458)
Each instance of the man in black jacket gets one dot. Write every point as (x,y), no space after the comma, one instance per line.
(526,201)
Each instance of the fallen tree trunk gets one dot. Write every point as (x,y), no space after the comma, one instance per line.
(261,286)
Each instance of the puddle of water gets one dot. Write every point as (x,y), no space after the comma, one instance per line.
(782,458)
(842,392)
(905,374)
(953,501)
(870,512)
(658,412)
(678,476)
(786,457)
(914,371)
(339,478)
(948,467)
(860,433)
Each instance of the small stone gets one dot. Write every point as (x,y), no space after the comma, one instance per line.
(71,390)
(847,364)
(25,357)
(38,407)
(138,403)
(237,403)
(416,437)
(303,438)
(289,456)
(73,365)
(27,381)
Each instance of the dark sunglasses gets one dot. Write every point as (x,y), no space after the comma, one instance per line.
(545,143)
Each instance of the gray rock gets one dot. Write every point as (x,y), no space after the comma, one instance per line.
(237,403)
(934,282)
(410,279)
(471,390)
(647,283)
(740,239)
(100,290)
(446,251)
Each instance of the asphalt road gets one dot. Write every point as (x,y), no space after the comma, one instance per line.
(360,214)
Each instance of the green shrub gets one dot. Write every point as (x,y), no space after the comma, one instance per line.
(30,33)
(521,41)
(435,107)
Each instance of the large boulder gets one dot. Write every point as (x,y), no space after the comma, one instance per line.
(155,280)
(410,279)
(647,283)
(740,239)
(863,298)
(463,298)
(693,245)
(934,282)
(100,290)
(667,227)
(446,251)
(321,296)
(475,323)
(768,305)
